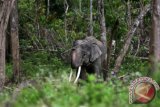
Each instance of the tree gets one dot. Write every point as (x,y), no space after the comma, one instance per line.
(155,39)
(66,6)
(103,33)
(111,42)
(129,18)
(48,7)
(4,16)
(129,36)
(91,20)
(15,42)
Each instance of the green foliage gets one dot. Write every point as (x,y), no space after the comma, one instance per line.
(64,94)
(9,70)
(41,64)
(52,88)
(132,64)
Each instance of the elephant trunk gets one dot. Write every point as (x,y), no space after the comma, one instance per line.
(76,59)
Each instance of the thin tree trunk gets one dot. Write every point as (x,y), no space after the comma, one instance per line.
(103,34)
(129,36)
(37,19)
(91,20)
(15,42)
(48,7)
(80,6)
(141,35)
(142,22)
(66,6)
(112,37)
(155,40)
(102,21)
(4,17)
(129,18)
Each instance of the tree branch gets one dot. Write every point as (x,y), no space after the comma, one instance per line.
(129,36)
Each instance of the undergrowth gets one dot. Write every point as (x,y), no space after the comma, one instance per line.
(46,85)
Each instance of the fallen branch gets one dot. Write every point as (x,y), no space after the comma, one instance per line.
(137,57)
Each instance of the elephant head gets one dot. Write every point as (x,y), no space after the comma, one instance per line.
(85,51)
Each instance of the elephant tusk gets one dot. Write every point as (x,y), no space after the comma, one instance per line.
(78,74)
(70,76)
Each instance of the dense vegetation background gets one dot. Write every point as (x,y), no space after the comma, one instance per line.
(46,35)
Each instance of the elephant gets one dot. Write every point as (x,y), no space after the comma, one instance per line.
(88,56)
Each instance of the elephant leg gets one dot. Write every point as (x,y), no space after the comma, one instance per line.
(105,75)
(105,72)
(98,68)
(98,72)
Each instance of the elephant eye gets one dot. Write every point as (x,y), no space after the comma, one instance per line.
(73,49)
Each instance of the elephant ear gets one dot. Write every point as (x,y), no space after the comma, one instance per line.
(95,52)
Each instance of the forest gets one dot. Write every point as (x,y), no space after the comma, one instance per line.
(77,53)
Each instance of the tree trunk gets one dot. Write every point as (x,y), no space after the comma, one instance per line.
(80,6)
(102,21)
(48,7)
(129,18)
(129,36)
(110,43)
(66,6)
(4,16)
(37,25)
(103,34)
(155,40)
(91,20)
(15,42)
